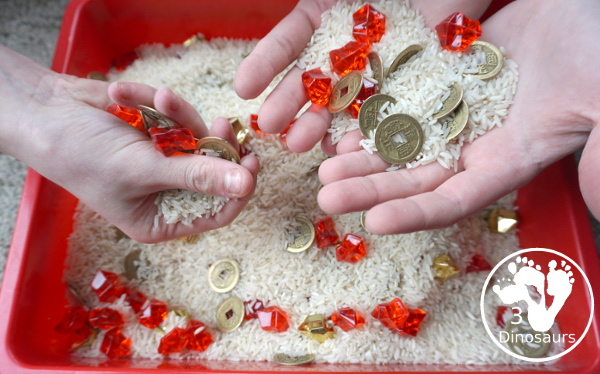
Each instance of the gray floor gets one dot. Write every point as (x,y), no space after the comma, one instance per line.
(31,27)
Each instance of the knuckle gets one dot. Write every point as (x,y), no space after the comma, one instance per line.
(201,176)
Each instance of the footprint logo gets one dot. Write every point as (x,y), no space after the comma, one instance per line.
(559,285)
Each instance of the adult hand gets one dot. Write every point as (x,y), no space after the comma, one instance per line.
(283,45)
(554,112)
(58,125)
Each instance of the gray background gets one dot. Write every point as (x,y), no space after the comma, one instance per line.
(31,28)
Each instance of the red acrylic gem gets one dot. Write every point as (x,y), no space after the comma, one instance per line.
(369,25)
(368,89)
(129,115)
(173,342)
(154,312)
(136,299)
(75,318)
(115,344)
(347,319)
(171,140)
(317,85)
(198,338)
(415,317)
(352,249)
(503,314)
(457,32)
(273,319)
(251,307)
(325,233)
(106,285)
(254,123)
(393,315)
(283,133)
(478,263)
(105,318)
(123,61)
(352,56)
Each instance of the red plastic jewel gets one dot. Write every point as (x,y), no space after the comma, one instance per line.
(105,318)
(503,314)
(369,25)
(136,299)
(317,85)
(123,61)
(283,133)
(478,263)
(352,249)
(457,32)
(368,89)
(198,338)
(393,315)
(106,285)
(129,115)
(251,307)
(171,140)
(347,319)
(352,56)
(415,317)
(254,123)
(115,344)
(325,233)
(75,318)
(173,342)
(273,319)
(153,313)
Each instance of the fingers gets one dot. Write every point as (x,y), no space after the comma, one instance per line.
(589,172)
(222,128)
(349,142)
(310,127)
(278,49)
(355,164)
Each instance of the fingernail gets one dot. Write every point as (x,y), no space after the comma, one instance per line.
(233,181)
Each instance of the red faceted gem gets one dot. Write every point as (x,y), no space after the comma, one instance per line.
(368,89)
(75,319)
(347,319)
(254,123)
(352,56)
(352,249)
(325,233)
(122,62)
(153,313)
(317,86)
(171,140)
(273,319)
(136,299)
(198,338)
(415,317)
(284,132)
(115,344)
(105,318)
(173,342)
(503,314)
(129,115)
(393,315)
(369,25)
(251,307)
(457,32)
(106,285)
(478,263)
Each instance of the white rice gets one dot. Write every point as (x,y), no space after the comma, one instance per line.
(313,281)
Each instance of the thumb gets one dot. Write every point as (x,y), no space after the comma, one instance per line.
(589,173)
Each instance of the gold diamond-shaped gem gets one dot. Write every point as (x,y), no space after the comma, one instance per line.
(502,220)
(444,267)
(315,327)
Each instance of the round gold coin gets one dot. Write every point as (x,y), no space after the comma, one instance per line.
(220,146)
(367,115)
(452,102)
(494,60)
(376,67)
(404,56)
(286,359)
(153,118)
(307,237)
(362,219)
(461,117)
(131,264)
(345,91)
(230,314)
(398,138)
(98,76)
(519,329)
(223,275)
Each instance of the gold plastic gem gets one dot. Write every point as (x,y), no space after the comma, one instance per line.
(502,220)
(315,327)
(190,239)
(241,133)
(444,267)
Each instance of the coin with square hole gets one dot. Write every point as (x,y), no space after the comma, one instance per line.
(398,138)
(223,275)
(230,314)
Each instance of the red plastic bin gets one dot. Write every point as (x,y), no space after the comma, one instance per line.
(32,298)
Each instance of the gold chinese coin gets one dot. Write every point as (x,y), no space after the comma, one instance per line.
(362,219)
(223,275)
(367,115)
(307,237)
(376,67)
(404,56)
(398,138)
(230,314)
(494,60)
(286,359)
(461,117)
(131,264)
(524,340)
(153,118)
(345,91)
(220,146)
(452,102)
(241,133)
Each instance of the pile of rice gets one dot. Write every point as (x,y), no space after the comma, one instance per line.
(311,282)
